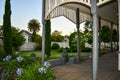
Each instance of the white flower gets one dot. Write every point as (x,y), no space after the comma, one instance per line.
(3,59)
(42,70)
(7,58)
(19,71)
(19,59)
(16,53)
(47,64)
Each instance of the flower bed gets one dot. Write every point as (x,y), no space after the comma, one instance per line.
(25,68)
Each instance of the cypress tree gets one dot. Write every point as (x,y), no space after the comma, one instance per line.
(48,38)
(7,41)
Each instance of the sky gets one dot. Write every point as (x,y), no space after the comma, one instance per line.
(25,10)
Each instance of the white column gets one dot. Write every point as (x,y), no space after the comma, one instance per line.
(94,11)
(119,35)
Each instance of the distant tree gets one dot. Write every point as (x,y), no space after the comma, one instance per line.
(114,36)
(55,46)
(57,37)
(7,40)
(105,34)
(17,38)
(38,40)
(73,41)
(88,32)
(34,26)
(48,38)
(1,31)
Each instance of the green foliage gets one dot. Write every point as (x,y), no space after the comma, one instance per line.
(48,38)
(88,32)
(73,42)
(55,46)
(56,36)
(7,40)
(1,31)
(31,73)
(34,26)
(105,34)
(2,52)
(38,40)
(17,38)
(87,49)
(114,35)
(29,70)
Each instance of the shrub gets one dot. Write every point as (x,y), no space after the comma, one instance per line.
(55,46)
(26,68)
(86,49)
(2,53)
(67,49)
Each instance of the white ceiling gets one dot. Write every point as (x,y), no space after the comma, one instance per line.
(108,11)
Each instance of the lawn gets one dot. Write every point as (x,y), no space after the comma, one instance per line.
(55,54)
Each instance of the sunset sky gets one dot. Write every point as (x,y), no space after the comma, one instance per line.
(25,10)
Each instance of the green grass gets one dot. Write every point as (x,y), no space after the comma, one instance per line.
(55,54)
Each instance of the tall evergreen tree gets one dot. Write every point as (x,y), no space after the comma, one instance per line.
(7,28)
(48,38)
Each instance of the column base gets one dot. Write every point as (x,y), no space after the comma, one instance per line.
(119,61)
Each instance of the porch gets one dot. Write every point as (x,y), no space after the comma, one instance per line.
(107,70)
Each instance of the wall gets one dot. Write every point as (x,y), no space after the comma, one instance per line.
(62,44)
(28,46)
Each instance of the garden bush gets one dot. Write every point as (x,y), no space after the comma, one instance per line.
(86,49)
(2,53)
(55,46)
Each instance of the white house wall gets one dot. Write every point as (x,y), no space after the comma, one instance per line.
(62,44)
(28,46)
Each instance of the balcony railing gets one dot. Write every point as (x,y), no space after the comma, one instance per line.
(54,9)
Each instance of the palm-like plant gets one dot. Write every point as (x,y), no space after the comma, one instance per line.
(34,26)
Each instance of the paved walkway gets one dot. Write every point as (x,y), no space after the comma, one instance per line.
(108,65)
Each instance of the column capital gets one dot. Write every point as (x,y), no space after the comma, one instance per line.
(94,7)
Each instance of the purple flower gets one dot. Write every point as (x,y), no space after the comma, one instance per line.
(47,64)
(19,71)
(42,70)
(19,59)
(7,58)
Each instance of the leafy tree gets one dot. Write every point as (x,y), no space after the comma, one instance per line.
(34,26)
(7,40)
(17,38)
(105,34)
(1,31)
(57,37)
(38,40)
(114,36)
(55,46)
(88,32)
(48,38)
(73,41)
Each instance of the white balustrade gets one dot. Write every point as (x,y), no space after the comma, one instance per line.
(54,9)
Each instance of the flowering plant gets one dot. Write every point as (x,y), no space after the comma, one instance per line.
(26,68)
